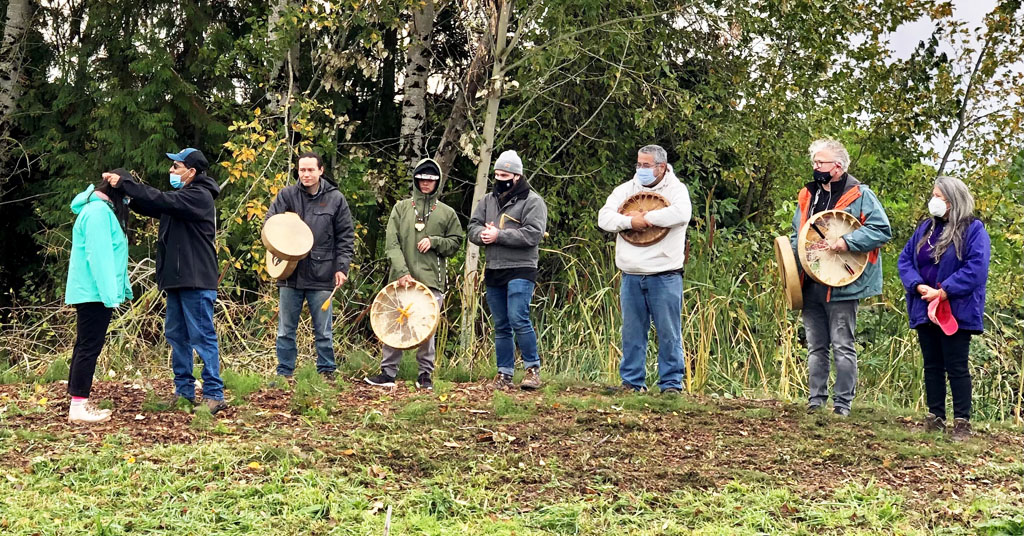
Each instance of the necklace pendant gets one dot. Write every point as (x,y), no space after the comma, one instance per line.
(420,226)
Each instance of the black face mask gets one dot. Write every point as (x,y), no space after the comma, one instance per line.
(501,187)
(822,177)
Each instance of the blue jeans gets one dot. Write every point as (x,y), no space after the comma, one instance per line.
(188,327)
(510,311)
(643,298)
(288,321)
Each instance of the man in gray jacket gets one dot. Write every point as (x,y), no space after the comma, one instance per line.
(323,207)
(509,223)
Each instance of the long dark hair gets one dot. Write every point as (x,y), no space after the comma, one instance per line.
(117,198)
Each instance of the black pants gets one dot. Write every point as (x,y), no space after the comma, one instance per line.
(93,320)
(945,356)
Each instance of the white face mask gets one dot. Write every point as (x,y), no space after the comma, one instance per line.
(937,207)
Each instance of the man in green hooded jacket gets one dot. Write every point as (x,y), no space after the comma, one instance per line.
(422,233)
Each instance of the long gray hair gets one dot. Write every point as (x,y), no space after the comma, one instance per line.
(958,218)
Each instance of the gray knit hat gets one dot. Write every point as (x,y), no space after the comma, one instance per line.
(509,161)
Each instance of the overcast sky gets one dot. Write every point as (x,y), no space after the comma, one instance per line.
(907,37)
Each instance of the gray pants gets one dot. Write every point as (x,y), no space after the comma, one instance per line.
(425,354)
(830,324)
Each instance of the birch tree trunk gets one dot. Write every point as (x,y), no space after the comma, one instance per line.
(12,55)
(448,149)
(470,297)
(414,87)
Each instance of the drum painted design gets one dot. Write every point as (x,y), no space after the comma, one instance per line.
(828,267)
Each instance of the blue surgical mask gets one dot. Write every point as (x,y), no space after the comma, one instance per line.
(176,181)
(646,176)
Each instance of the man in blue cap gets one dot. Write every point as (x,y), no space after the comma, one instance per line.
(186,267)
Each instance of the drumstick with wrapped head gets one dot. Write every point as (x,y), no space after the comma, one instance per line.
(327,302)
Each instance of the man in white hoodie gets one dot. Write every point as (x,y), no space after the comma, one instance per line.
(652,276)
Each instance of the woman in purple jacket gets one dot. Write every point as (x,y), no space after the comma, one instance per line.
(947,259)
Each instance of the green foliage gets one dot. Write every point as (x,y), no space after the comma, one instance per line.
(57,371)
(735,91)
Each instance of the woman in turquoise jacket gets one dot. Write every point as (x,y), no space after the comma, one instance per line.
(97,283)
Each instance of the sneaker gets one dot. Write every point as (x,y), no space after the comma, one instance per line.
(532,379)
(328,376)
(87,414)
(502,382)
(380,380)
(961,429)
(841,412)
(672,391)
(424,382)
(280,382)
(813,408)
(934,423)
(214,405)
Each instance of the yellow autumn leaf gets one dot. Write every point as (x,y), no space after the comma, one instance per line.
(43,401)
(253,465)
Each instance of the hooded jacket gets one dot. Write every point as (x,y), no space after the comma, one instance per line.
(521,217)
(327,214)
(669,253)
(860,202)
(186,257)
(98,270)
(441,225)
(963,279)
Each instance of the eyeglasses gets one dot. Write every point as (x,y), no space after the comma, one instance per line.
(819,163)
(640,165)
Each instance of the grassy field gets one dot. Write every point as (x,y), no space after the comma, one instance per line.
(573,458)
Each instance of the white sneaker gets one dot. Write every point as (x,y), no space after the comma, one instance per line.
(86,413)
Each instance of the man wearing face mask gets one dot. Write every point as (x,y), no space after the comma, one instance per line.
(509,223)
(186,267)
(324,209)
(652,276)
(830,313)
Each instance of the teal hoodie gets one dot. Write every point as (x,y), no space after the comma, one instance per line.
(98,271)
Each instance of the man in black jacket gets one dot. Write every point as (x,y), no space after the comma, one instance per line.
(323,207)
(186,267)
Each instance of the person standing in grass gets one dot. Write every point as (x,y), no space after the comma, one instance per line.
(323,207)
(652,276)
(422,233)
(944,269)
(509,223)
(830,313)
(97,283)
(186,268)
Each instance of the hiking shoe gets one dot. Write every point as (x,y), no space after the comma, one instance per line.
(841,412)
(961,429)
(380,380)
(672,391)
(630,388)
(174,400)
(934,423)
(214,405)
(328,376)
(502,382)
(813,408)
(424,382)
(532,379)
(87,414)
